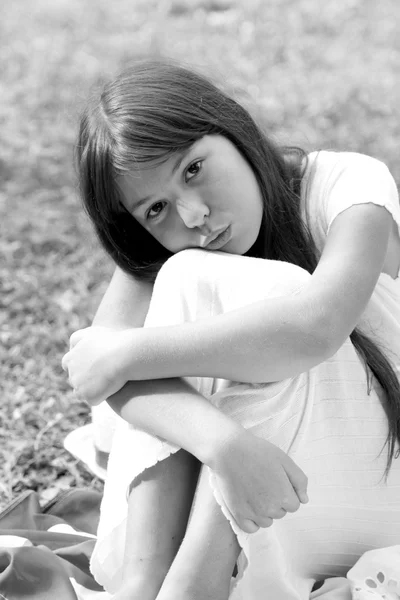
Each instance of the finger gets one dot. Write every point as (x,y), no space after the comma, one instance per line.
(275,513)
(95,401)
(64,362)
(265,521)
(76,337)
(87,399)
(248,526)
(290,503)
(299,481)
(78,396)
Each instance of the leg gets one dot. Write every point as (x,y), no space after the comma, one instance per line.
(191,285)
(203,567)
(211,284)
(158,511)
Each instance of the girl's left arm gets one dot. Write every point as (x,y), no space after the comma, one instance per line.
(278,338)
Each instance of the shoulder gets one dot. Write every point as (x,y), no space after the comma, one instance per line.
(335,181)
(350,176)
(328,164)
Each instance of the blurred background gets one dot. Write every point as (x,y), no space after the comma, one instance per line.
(322,74)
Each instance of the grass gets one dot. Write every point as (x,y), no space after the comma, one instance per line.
(323,76)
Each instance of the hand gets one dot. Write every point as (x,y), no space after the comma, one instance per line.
(258,481)
(97,362)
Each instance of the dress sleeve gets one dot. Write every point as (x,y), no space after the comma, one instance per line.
(359,179)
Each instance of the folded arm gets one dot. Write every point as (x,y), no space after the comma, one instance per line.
(176,412)
(278,338)
(256,478)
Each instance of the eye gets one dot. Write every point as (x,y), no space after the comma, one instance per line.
(155,210)
(193,170)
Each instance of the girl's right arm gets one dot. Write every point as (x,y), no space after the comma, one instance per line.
(125,303)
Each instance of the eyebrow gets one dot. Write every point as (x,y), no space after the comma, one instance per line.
(175,167)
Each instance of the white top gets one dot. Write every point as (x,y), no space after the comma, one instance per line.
(335,181)
(323,418)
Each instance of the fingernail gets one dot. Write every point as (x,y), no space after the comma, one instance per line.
(304,498)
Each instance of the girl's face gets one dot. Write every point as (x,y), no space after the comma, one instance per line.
(205,197)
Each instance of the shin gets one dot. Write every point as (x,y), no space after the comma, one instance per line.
(158,509)
(207,556)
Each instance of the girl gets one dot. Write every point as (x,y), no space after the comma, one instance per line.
(176,173)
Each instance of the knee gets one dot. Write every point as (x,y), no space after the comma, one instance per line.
(201,268)
(195,283)
(199,278)
(229,280)
(183,277)
(177,296)
(180,267)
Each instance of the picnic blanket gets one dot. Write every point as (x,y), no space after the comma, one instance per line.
(45,553)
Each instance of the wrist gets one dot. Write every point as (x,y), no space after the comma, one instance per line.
(131,349)
(153,353)
(224,436)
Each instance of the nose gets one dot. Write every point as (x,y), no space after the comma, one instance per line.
(193,211)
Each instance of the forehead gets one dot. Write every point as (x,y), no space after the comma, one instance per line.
(148,179)
(143,178)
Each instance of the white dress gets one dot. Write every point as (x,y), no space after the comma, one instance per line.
(324,418)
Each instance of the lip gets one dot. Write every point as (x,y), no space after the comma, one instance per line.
(220,239)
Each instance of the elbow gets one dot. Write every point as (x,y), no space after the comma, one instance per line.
(328,336)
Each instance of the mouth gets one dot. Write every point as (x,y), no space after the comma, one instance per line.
(218,239)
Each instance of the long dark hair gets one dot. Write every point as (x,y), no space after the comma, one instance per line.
(157,108)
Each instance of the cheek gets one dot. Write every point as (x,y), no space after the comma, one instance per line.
(163,238)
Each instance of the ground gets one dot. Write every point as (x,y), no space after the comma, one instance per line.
(320,75)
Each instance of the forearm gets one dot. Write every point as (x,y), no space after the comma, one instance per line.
(173,410)
(273,338)
(265,341)
(125,303)
(145,404)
